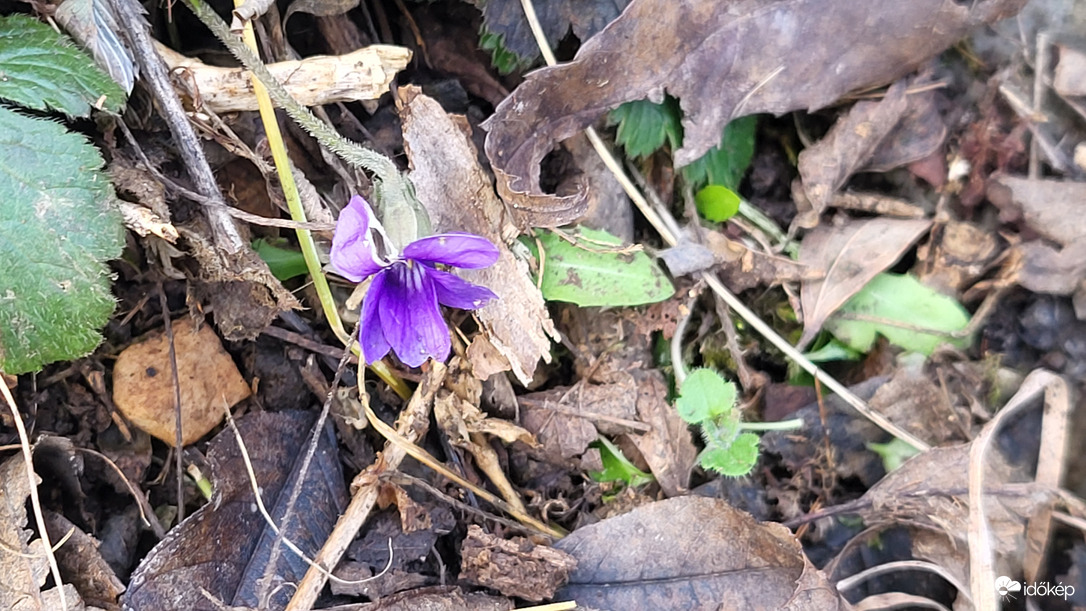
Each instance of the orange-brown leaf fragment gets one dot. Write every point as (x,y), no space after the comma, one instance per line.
(143,386)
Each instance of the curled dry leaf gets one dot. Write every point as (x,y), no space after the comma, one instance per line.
(459,197)
(852,255)
(809,54)
(364,74)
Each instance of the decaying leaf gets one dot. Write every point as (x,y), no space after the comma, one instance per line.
(809,54)
(852,255)
(226,548)
(1052,208)
(143,383)
(514,567)
(364,74)
(692,553)
(826,165)
(459,197)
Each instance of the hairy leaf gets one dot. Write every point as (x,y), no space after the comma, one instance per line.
(705,395)
(58,224)
(43,70)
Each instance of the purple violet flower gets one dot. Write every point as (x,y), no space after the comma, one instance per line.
(401,309)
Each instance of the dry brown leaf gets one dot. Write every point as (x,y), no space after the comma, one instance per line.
(668,447)
(692,553)
(459,197)
(852,254)
(918,134)
(364,74)
(957,255)
(81,563)
(809,54)
(23,574)
(1069,78)
(143,383)
(825,166)
(1049,270)
(1052,208)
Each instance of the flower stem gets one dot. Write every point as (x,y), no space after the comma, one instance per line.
(783,425)
(297,213)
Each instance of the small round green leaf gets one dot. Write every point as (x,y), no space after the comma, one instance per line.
(705,396)
(717,203)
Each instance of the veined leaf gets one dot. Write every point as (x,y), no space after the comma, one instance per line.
(597,271)
(901,309)
(726,163)
(42,69)
(57,226)
(644,127)
(704,396)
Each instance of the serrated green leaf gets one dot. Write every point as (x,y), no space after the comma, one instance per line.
(58,224)
(704,396)
(727,163)
(735,460)
(504,60)
(644,127)
(616,467)
(717,203)
(596,271)
(284,263)
(41,69)
(902,300)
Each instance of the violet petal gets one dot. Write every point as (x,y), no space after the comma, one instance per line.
(370,334)
(456,292)
(456,249)
(353,253)
(410,317)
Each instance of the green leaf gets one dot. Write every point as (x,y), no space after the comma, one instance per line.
(42,69)
(644,127)
(504,60)
(727,163)
(58,224)
(833,351)
(616,467)
(735,460)
(902,300)
(597,271)
(893,453)
(704,396)
(284,263)
(717,203)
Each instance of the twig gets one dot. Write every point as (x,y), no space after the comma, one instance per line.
(412,424)
(129,15)
(176,381)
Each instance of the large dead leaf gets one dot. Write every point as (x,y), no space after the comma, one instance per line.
(852,255)
(692,553)
(226,548)
(506,18)
(808,54)
(459,197)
